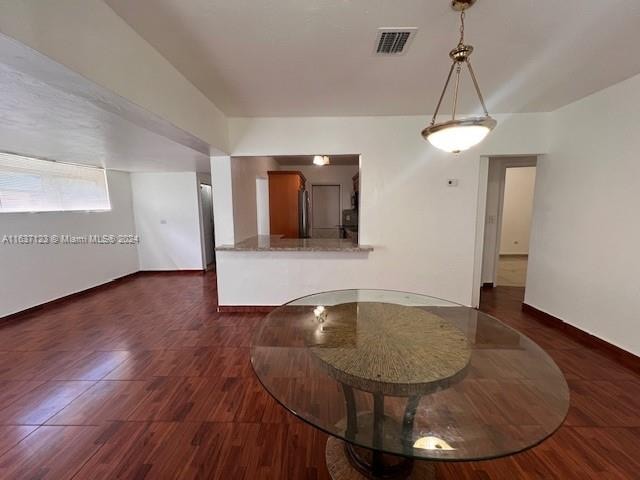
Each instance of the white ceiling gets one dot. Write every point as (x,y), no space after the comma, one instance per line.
(48,111)
(315,57)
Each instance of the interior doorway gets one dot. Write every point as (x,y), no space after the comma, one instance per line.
(325,211)
(515,229)
(208,234)
(507,221)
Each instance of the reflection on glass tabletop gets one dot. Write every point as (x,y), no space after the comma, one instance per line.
(409,375)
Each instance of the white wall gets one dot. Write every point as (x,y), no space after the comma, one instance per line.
(167,220)
(518,207)
(91,39)
(34,274)
(222,185)
(244,171)
(423,232)
(262,206)
(583,258)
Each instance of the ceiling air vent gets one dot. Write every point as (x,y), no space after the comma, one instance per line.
(394,41)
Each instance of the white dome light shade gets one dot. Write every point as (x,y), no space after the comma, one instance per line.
(320,160)
(459,135)
(457,139)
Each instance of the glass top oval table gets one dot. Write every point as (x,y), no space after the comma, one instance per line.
(401,381)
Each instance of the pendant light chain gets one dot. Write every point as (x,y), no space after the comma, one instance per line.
(458,134)
(473,76)
(457,67)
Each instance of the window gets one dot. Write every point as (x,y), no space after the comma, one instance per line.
(32,185)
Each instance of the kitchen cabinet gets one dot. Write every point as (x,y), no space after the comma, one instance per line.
(284,205)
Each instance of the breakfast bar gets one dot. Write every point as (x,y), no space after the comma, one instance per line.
(277,243)
(269,270)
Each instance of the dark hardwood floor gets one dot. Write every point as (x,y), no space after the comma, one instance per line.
(145,380)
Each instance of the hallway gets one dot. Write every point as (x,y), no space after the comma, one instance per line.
(512,271)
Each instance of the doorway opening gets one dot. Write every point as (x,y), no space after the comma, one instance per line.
(325,211)
(208,233)
(507,221)
(296,197)
(515,229)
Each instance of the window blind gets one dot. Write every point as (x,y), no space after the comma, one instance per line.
(34,185)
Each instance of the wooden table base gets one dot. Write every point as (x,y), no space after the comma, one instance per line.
(340,465)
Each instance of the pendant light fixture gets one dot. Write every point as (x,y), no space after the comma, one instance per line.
(321,160)
(459,134)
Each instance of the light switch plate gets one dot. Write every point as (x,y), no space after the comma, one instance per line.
(452,182)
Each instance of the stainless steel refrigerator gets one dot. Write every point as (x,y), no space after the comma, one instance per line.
(304,214)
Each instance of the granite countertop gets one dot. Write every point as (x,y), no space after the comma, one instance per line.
(275,243)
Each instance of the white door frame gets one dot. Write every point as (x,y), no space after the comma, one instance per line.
(203,243)
(480,227)
(500,216)
(507,161)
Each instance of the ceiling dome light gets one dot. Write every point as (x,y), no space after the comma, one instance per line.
(320,160)
(457,135)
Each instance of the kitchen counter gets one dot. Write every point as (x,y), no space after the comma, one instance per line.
(275,243)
